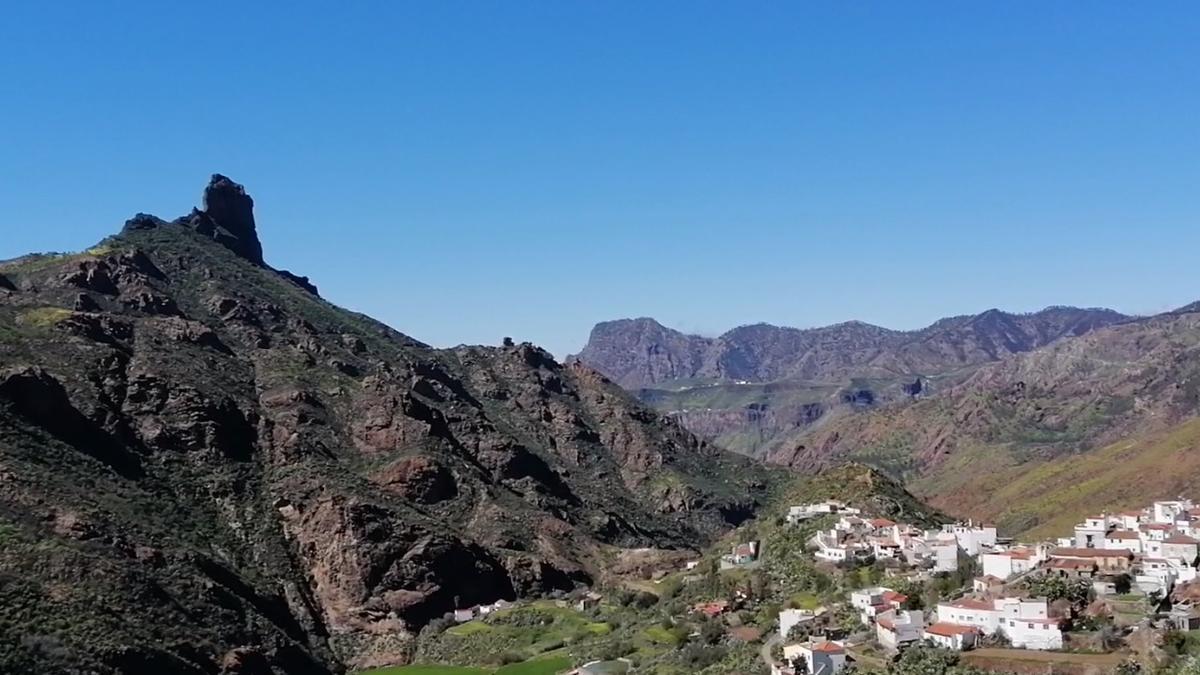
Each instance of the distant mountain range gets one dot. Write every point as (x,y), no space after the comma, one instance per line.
(1031,420)
(642,353)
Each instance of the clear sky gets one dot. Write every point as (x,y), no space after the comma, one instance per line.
(467,171)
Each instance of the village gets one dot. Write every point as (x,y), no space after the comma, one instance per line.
(1116,575)
(828,587)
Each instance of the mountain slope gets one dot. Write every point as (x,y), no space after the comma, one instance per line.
(999,445)
(205,467)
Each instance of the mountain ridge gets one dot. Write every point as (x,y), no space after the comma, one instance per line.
(641,352)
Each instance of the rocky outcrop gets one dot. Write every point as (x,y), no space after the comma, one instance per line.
(228,217)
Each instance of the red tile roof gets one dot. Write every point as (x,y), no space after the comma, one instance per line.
(893,596)
(1155,526)
(971,603)
(1069,564)
(1067,552)
(881,522)
(1122,534)
(1180,539)
(828,648)
(950,629)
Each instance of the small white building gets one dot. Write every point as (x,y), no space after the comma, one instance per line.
(952,636)
(894,629)
(1033,633)
(805,511)
(820,657)
(871,602)
(790,618)
(1181,547)
(1007,564)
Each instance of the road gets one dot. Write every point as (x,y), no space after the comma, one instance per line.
(767,646)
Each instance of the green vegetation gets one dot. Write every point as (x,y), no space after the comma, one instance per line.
(1046,497)
(422,669)
(43,317)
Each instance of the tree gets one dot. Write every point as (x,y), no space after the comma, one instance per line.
(711,631)
(924,660)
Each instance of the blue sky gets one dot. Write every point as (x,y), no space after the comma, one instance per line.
(467,171)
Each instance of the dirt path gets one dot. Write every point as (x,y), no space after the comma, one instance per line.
(1030,656)
(767,646)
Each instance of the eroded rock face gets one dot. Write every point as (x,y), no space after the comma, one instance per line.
(419,479)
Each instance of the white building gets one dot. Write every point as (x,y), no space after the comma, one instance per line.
(790,618)
(895,629)
(871,602)
(1033,633)
(952,636)
(971,538)
(820,657)
(806,511)
(1025,622)
(1007,564)
(1090,533)
(830,547)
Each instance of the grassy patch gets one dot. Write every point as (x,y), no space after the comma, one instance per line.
(43,317)
(469,628)
(427,669)
(542,666)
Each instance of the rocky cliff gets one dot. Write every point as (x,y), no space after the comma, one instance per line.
(206,468)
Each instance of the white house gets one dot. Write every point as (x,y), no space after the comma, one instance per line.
(952,636)
(821,657)
(831,548)
(1180,547)
(1090,533)
(971,538)
(1127,539)
(1025,622)
(806,511)
(1006,564)
(1033,633)
(894,629)
(871,602)
(790,618)
(1166,511)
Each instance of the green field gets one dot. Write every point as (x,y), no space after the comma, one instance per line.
(541,666)
(422,669)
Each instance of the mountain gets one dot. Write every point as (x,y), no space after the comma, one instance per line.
(755,385)
(207,468)
(641,353)
(1103,420)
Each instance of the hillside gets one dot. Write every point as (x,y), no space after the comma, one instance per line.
(205,467)
(1048,435)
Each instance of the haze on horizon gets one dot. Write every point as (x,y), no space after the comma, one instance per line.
(551,166)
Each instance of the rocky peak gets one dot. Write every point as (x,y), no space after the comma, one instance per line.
(228,217)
